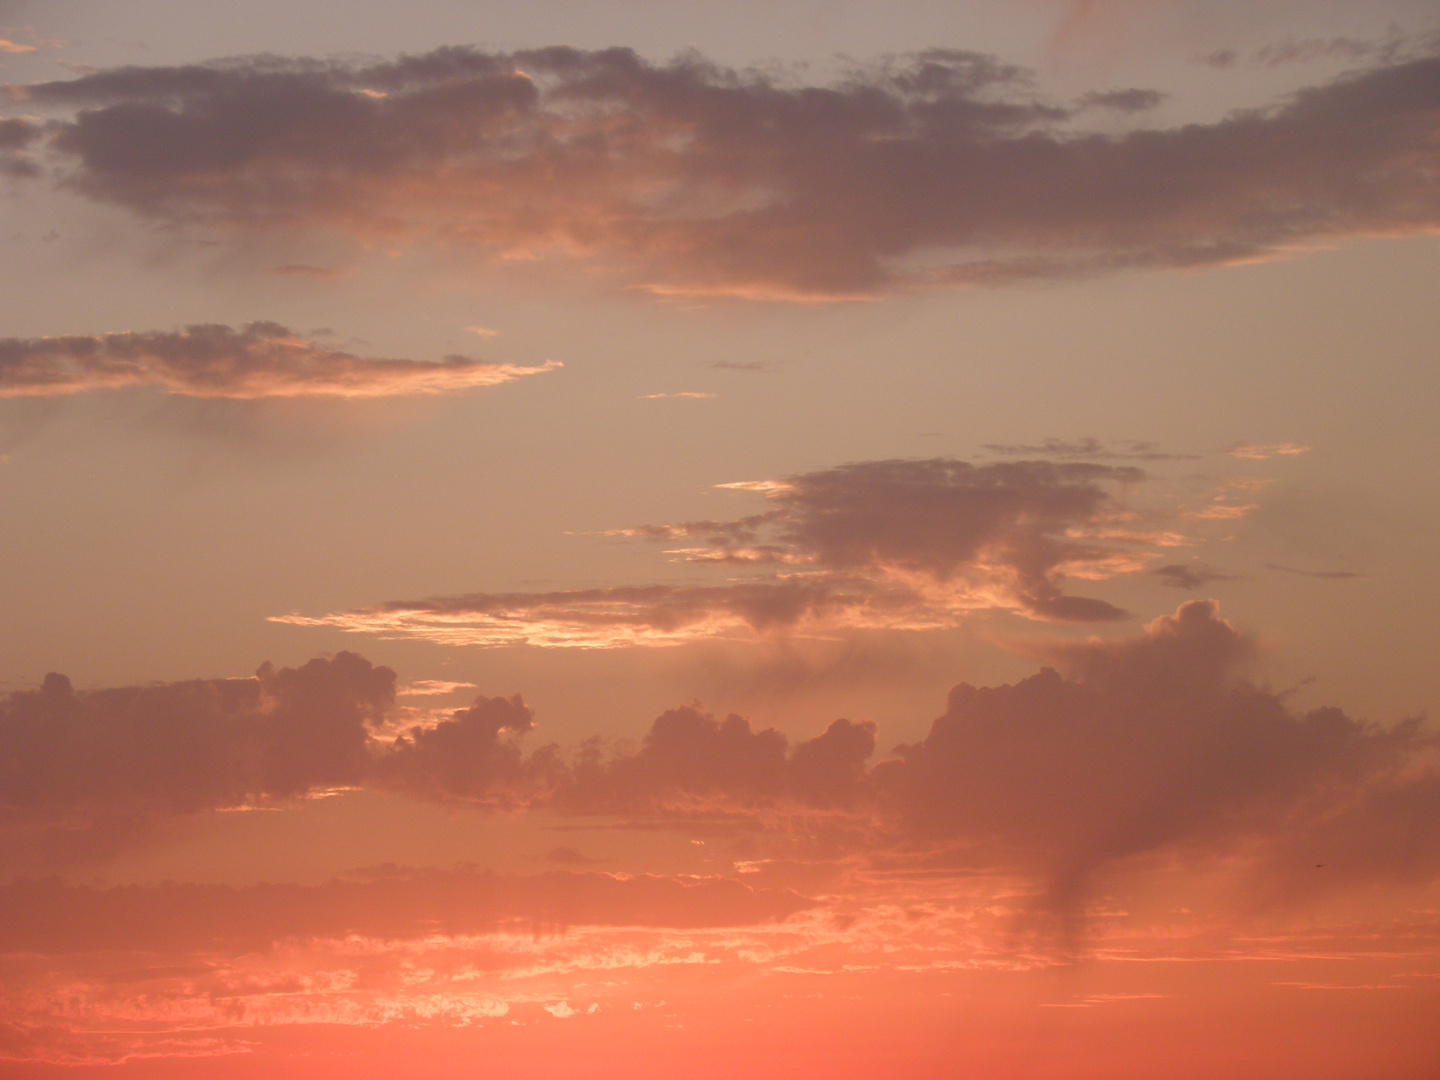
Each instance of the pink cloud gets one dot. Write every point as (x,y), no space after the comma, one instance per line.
(261,360)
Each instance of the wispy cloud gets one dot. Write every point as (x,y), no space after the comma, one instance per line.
(1091,449)
(1192,575)
(1333,575)
(260,360)
(1260,451)
(881,544)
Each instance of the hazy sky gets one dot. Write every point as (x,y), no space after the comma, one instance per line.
(818,538)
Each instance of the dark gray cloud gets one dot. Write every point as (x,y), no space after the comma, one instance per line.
(1191,575)
(473,755)
(1089,448)
(939,167)
(690,758)
(15,137)
(187,746)
(1154,742)
(1331,575)
(1129,101)
(260,360)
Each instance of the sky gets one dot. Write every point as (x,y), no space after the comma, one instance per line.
(814,538)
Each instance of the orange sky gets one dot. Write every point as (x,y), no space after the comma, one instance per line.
(813,539)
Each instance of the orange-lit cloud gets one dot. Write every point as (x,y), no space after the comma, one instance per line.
(195,971)
(1260,451)
(940,167)
(881,544)
(261,360)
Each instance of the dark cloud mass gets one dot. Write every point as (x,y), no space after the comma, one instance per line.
(689,756)
(1140,745)
(1150,741)
(15,136)
(940,166)
(187,746)
(893,544)
(475,755)
(260,360)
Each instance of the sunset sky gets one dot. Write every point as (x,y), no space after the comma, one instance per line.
(814,539)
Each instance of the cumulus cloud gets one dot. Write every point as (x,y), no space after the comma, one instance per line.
(186,746)
(690,759)
(1153,742)
(939,167)
(881,544)
(85,772)
(1157,742)
(260,360)
(474,755)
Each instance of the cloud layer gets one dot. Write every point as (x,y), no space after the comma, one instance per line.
(1148,744)
(260,360)
(879,544)
(939,167)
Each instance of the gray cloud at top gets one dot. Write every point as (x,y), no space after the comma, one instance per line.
(938,167)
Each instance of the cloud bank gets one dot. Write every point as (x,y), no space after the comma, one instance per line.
(1147,744)
(933,168)
(260,360)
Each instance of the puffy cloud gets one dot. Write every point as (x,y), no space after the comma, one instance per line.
(84,773)
(880,544)
(689,758)
(938,167)
(261,360)
(472,755)
(1147,744)
(1152,742)
(187,746)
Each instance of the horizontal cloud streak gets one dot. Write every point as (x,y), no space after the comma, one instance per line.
(393,904)
(261,360)
(881,544)
(938,167)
